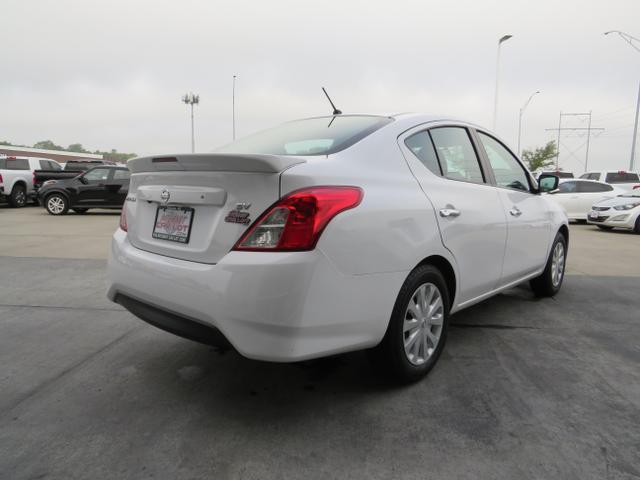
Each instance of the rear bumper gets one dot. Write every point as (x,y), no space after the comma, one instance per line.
(285,306)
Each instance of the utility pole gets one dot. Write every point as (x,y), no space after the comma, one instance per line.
(233,106)
(586,156)
(561,129)
(191,99)
(630,39)
(495,96)
(635,134)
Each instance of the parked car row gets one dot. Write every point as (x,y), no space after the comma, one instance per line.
(22,177)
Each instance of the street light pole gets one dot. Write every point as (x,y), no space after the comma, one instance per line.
(495,96)
(524,107)
(191,99)
(630,39)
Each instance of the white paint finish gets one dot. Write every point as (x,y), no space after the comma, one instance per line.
(578,204)
(274,306)
(214,195)
(285,306)
(529,219)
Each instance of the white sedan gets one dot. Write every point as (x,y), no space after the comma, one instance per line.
(577,196)
(620,212)
(334,234)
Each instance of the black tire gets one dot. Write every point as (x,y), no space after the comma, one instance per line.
(56,204)
(18,196)
(636,227)
(604,227)
(80,210)
(544,285)
(390,356)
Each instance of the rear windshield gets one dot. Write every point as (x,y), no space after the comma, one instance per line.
(622,177)
(312,136)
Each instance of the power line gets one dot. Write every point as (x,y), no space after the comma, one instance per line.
(583,116)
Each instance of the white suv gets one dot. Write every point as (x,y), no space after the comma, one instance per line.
(618,178)
(333,234)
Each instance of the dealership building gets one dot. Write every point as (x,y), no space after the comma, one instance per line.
(61,156)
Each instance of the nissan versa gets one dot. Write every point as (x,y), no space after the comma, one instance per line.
(334,234)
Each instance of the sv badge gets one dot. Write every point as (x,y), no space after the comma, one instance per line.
(238,216)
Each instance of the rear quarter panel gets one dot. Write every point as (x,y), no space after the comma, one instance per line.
(393,229)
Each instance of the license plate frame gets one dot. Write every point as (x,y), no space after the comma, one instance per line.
(170,236)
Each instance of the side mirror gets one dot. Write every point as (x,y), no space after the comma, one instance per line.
(548,183)
(83,180)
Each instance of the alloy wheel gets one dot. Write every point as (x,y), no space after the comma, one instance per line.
(55,205)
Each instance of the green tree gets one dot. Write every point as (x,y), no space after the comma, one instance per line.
(76,147)
(541,157)
(47,145)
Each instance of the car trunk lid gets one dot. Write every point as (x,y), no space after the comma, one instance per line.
(195,207)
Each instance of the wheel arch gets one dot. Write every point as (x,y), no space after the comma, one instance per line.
(564,230)
(20,181)
(447,270)
(46,195)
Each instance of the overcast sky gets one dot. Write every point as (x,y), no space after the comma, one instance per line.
(110,74)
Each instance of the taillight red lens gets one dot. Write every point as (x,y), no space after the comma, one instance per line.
(295,222)
(34,178)
(1,178)
(123,218)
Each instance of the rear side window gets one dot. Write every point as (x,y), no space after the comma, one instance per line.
(591,187)
(17,164)
(422,147)
(457,156)
(54,166)
(622,177)
(507,170)
(313,136)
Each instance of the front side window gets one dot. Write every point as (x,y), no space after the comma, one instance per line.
(458,158)
(312,136)
(421,146)
(567,187)
(97,175)
(507,170)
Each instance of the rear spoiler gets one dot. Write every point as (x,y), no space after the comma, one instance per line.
(214,162)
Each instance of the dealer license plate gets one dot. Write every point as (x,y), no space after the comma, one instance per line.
(173,224)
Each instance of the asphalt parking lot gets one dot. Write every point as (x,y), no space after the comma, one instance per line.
(526,388)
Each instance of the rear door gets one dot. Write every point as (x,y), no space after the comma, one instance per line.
(118,186)
(196,207)
(528,217)
(468,209)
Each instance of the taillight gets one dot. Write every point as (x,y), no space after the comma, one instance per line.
(34,178)
(1,178)
(123,218)
(296,221)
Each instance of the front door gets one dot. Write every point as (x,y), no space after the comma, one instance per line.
(92,189)
(528,218)
(469,211)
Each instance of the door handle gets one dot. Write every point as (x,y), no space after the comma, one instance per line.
(449,212)
(515,211)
